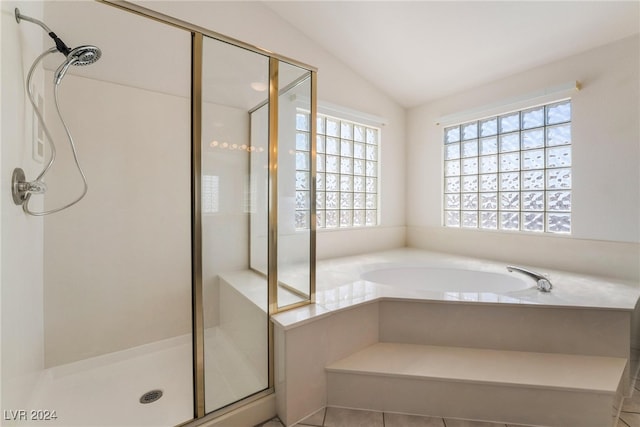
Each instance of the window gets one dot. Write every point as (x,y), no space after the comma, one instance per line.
(210,193)
(347,172)
(510,172)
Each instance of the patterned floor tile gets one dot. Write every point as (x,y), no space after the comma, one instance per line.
(632,404)
(272,423)
(464,423)
(315,419)
(401,420)
(632,420)
(340,417)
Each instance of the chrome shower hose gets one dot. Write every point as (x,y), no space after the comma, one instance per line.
(52,157)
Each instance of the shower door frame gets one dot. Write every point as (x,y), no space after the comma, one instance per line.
(197,41)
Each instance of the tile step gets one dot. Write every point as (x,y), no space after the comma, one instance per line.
(546,389)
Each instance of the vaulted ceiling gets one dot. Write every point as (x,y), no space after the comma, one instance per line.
(417,51)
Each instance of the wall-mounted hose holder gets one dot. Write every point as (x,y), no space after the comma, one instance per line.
(21,188)
(18,186)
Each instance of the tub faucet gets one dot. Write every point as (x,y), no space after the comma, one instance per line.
(544,285)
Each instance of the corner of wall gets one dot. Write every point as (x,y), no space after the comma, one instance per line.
(22,237)
(355,241)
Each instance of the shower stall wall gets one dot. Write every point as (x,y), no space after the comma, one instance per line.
(197,226)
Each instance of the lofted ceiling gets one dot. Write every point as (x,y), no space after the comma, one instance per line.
(417,51)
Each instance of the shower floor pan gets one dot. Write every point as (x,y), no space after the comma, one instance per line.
(106,390)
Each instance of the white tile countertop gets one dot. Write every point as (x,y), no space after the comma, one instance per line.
(339,286)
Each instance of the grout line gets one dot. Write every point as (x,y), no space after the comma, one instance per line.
(383,424)
(324,417)
(624,422)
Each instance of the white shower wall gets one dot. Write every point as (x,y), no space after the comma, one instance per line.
(118,264)
(22,334)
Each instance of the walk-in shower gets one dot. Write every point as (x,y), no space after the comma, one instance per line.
(22,190)
(150,301)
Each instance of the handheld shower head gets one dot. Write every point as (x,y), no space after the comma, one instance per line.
(85,55)
(81,55)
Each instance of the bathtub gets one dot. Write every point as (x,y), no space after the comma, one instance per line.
(448,279)
(414,274)
(414,297)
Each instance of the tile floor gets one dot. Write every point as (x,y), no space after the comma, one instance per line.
(340,417)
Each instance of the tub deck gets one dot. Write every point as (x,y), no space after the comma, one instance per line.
(339,286)
(331,347)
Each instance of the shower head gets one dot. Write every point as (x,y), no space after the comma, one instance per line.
(81,55)
(85,55)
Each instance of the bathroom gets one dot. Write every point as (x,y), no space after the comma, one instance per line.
(122,278)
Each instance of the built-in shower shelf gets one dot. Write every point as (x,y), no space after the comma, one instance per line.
(547,389)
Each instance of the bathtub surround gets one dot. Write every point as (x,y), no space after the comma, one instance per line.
(339,243)
(582,321)
(619,260)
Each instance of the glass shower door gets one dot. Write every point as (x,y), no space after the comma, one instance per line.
(295,179)
(235,82)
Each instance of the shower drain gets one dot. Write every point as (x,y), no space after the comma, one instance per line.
(151,396)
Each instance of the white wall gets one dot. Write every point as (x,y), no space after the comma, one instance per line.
(21,309)
(606,165)
(254,23)
(118,264)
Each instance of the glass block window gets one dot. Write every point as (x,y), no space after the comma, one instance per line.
(210,193)
(303,171)
(347,172)
(510,172)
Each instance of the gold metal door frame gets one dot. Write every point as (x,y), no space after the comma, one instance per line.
(197,35)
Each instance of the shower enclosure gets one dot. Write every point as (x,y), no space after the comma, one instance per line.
(250,239)
(157,288)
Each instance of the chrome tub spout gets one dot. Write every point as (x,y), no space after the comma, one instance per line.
(543,284)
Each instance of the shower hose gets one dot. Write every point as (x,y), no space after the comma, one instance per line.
(37,183)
